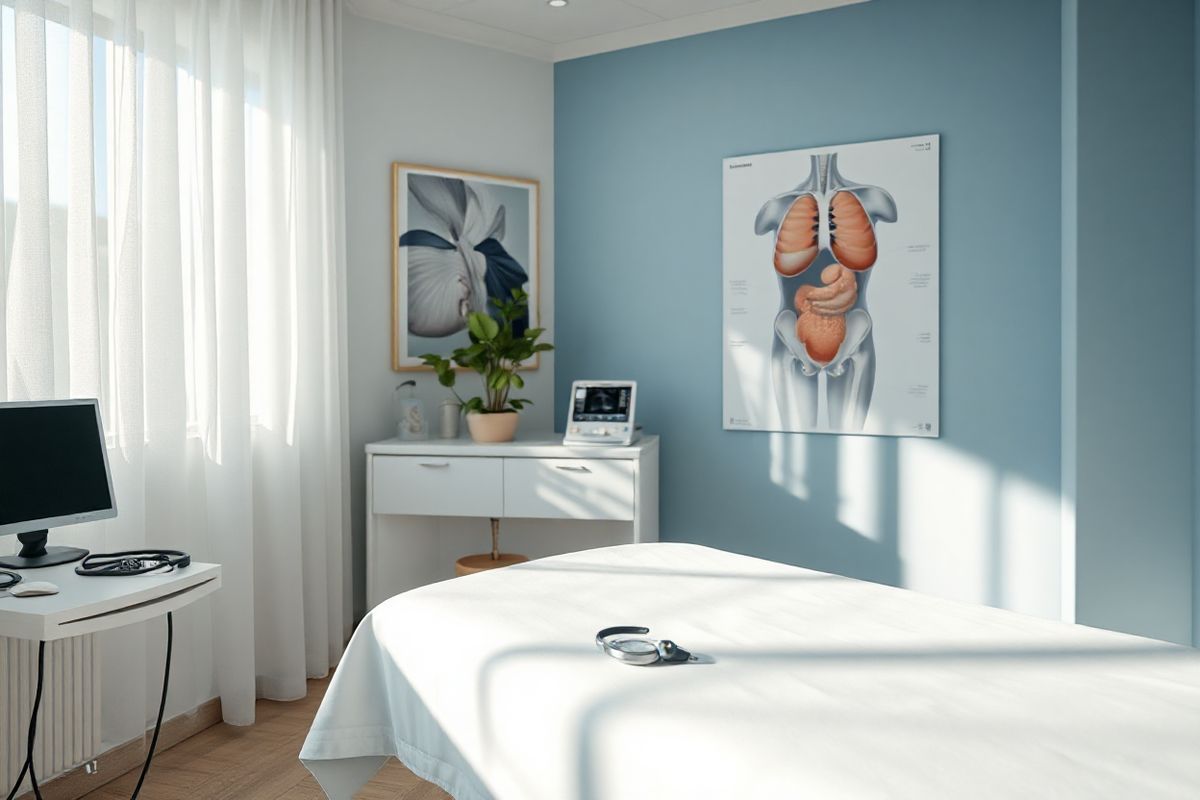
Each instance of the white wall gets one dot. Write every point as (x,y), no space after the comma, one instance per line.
(414,97)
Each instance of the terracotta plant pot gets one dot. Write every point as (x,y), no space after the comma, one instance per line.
(491,428)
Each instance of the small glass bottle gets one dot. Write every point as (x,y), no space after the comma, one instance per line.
(411,424)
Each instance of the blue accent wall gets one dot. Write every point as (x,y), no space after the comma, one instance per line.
(1135,359)
(1196,339)
(639,138)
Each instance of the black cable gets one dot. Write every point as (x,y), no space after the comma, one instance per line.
(162,706)
(37,790)
(37,702)
(8,579)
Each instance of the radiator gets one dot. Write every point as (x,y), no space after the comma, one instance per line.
(68,729)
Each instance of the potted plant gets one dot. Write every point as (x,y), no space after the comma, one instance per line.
(496,352)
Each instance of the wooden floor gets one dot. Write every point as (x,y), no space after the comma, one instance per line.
(256,763)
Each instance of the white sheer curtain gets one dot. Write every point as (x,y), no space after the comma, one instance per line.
(173,245)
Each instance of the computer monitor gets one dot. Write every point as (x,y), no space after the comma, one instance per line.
(53,471)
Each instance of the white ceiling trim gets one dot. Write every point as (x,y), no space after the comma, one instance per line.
(678,27)
(692,24)
(452,28)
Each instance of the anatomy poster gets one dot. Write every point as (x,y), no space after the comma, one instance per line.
(831,289)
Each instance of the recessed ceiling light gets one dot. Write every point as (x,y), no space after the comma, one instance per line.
(556,3)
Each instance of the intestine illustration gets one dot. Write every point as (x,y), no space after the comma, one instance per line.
(823,350)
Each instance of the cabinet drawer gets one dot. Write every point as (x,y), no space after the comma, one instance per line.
(433,485)
(564,488)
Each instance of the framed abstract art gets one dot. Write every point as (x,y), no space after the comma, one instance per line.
(459,240)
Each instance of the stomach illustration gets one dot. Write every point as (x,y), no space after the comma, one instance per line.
(823,353)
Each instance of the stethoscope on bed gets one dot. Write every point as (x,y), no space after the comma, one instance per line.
(630,645)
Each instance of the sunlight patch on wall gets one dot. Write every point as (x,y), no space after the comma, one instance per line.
(789,464)
(948,507)
(1029,571)
(997,534)
(860,489)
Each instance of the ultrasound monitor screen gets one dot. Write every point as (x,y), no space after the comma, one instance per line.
(52,462)
(602,404)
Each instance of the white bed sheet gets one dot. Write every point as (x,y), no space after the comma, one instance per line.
(821,686)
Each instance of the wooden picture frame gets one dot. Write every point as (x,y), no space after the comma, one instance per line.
(459,238)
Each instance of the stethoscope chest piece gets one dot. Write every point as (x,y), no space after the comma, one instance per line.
(630,645)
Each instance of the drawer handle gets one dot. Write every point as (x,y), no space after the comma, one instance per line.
(573,469)
(431,465)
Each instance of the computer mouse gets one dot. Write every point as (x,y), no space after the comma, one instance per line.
(33,589)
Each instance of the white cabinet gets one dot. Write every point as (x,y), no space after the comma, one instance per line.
(428,503)
(565,488)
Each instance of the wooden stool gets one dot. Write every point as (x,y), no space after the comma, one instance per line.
(482,562)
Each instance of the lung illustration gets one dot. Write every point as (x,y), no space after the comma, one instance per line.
(823,351)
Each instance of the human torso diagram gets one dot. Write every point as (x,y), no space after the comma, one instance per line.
(823,349)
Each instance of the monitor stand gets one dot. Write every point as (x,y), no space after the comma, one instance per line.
(34,553)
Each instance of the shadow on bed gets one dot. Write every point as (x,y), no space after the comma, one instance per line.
(619,701)
(607,569)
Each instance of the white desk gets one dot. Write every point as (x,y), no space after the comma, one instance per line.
(428,502)
(89,605)
(84,605)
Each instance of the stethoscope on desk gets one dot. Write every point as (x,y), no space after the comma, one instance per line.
(126,563)
(132,562)
(117,565)
(630,645)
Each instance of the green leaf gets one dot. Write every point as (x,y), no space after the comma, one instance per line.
(482,327)
(475,326)
(517,381)
(533,333)
(491,328)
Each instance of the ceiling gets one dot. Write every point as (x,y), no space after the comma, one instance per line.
(582,28)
